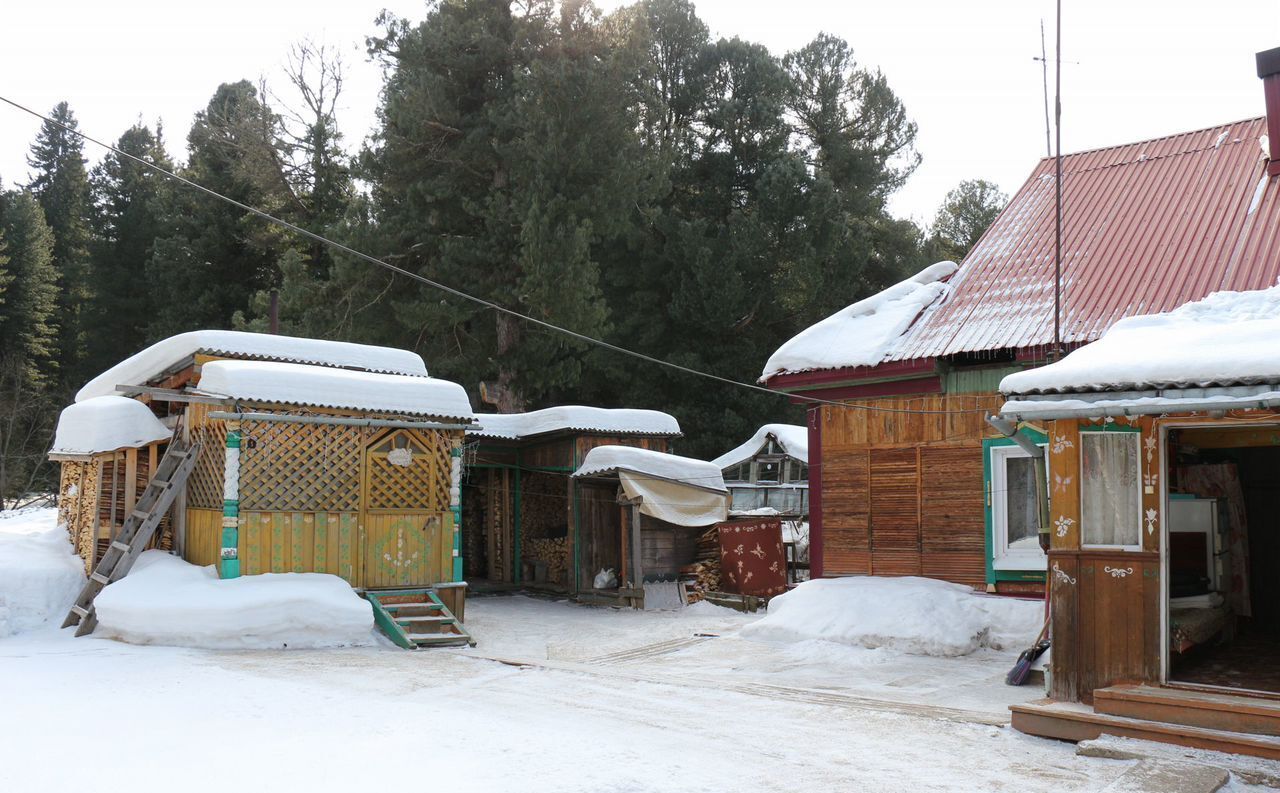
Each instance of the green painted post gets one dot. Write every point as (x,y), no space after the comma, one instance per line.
(230,556)
(455,506)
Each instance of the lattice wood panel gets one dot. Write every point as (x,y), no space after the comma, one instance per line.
(409,470)
(204,486)
(300,467)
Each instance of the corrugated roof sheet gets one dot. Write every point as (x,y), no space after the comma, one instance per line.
(1147,227)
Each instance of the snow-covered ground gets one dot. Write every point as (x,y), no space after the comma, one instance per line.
(589,700)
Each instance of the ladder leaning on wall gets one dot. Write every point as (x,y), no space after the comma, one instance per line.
(136,532)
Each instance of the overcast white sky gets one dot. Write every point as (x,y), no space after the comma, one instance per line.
(1140,68)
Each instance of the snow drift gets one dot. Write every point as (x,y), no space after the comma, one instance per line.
(919,616)
(40,575)
(864,333)
(106,423)
(165,600)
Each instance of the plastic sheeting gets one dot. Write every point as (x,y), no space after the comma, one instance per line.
(674,502)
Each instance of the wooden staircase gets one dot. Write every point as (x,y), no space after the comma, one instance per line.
(416,618)
(1222,722)
(136,532)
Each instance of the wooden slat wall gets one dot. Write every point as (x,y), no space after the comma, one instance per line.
(300,542)
(601,532)
(902,493)
(204,536)
(895,511)
(952,530)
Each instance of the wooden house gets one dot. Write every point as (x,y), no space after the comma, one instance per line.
(314,456)
(527,522)
(906,477)
(1164,521)
(652,510)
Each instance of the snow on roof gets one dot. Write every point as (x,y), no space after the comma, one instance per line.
(318,386)
(608,459)
(622,421)
(1226,339)
(104,424)
(793,439)
(161,356)
(864,333)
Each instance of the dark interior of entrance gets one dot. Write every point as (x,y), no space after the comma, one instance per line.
(1224,557)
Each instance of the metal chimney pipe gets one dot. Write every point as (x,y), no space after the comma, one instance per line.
(1269,71)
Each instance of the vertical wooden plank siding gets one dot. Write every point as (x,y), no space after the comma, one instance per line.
(204,536)
(300,542)
(1064,484)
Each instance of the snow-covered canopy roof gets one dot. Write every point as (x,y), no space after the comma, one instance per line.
(576,418)
(865,333)
(793,439)
(105,424)
(160,357)
(1226,339)
(610,459)
(319,386)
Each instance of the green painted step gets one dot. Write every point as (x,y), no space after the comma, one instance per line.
(398,606)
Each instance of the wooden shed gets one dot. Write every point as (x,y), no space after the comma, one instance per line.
(314,456)
(652,509)
(527,522)
(1163,451)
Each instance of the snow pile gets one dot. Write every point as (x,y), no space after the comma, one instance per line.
(793,439)
(165,600)
(104,424)
(576,417)
(864,333)
(299,384)
(40,575)
(161,356)
(1228,338)
(608,459)
(919,616)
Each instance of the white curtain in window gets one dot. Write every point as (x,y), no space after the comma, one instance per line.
(1109,479)
(1022,520)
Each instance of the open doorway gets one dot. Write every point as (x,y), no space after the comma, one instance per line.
(1223,549)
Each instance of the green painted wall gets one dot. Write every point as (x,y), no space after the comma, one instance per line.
(985,380)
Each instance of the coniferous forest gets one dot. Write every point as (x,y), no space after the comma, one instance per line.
(627,176)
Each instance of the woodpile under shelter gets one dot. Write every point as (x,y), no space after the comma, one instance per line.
(314,456)
(658,514)
(1163,451)
(526,521)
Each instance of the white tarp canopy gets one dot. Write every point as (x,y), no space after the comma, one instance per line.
(674,489)
(161,356)
(629,421)
(319,386)
(105,424)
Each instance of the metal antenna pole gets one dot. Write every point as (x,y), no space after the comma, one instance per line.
(1044,75)
(1057,243)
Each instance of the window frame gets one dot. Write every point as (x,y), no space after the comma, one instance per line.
(1002,557)
(1136,433)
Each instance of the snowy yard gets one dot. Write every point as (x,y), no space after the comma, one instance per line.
(589,700)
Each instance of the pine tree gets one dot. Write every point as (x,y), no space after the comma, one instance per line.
(28,326)
(61,185)
(966,212)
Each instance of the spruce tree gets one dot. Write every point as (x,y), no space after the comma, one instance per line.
(61,185)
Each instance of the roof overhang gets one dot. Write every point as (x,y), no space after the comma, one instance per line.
(1156,402)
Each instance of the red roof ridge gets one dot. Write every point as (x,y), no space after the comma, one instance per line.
(1069,155)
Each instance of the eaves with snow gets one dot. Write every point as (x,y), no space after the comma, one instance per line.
(669,467)
(106,424)
(576,418)
(865,333)
(793,439)
(167,354)
(1223,350)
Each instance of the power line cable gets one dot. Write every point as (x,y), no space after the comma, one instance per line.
(473,298)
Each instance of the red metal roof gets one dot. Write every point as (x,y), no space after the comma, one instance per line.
(1147,227)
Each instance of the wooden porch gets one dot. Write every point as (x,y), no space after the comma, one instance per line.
(1199,719)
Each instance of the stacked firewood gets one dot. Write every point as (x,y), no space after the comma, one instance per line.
(704,574)
(554,553)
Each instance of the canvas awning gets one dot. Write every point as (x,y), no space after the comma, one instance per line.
(670,488)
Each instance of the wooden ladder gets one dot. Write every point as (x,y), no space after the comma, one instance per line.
(136,532)
(414,618)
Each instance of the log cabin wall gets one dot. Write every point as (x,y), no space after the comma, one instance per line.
(1105,603)
(902,493)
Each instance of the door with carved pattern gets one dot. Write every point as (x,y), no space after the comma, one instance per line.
(408,528)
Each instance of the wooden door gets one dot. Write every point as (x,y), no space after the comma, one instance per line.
(405,517)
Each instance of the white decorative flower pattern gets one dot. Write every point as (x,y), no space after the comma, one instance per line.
(1117,572)
(1064,525)
(1153,518)
(1060,575)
